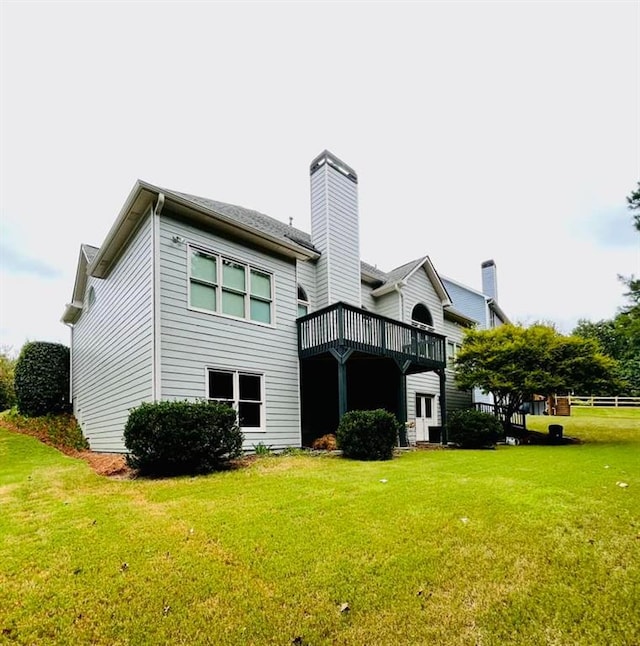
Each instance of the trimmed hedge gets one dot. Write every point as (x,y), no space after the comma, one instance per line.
(41,379)
(368,434)
(173,438)
(473,429)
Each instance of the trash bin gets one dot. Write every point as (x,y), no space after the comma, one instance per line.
(555,431)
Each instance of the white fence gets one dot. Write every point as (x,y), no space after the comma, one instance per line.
(616,402)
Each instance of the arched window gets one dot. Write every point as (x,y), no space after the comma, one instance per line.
(303,302)
(421,316)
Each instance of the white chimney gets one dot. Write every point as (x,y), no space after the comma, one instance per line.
(334,230)
(489,279)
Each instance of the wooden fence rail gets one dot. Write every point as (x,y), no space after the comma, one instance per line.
(592,400)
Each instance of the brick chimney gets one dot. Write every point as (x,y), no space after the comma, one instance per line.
(489,279)
(334,230)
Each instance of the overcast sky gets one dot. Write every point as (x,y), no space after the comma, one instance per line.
(479,130)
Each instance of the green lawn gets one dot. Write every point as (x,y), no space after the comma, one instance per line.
(521,545)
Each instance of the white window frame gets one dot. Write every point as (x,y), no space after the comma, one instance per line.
(456,348)
(302,302)
(420,324)
(235,402)
(220,288)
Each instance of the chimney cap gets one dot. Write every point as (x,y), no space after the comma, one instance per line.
(488,263)
(326,157)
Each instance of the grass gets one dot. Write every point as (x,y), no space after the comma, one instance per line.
(522,545)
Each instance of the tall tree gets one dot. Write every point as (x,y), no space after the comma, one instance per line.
(633,201)
(513,363)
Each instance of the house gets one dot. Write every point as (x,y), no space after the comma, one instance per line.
(482,307)
(190,298)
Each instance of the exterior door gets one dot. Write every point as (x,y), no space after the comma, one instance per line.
(425,416)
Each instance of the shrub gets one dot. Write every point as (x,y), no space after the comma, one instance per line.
(368,434)
(171,438)
(7,392)
(42,378)
(473,429)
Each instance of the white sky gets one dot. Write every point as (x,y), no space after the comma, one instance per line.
(479,130)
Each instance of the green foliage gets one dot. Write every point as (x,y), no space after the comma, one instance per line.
(42,378)
(514,363)
(7,369)
(261,449)
(633,201)
(458,547)
(171,438)
(618,338)
(473,429)
(368,434)
(61,430)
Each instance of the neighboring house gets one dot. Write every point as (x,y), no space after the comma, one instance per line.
(482,307)
(189,298)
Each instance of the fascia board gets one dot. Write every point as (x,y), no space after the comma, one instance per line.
(459,317)
(433,276)
(135,207)
(499,311)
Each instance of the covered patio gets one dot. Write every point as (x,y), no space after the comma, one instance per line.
(352,359)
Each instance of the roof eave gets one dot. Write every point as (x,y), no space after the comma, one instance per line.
(499,311)
(386,288)
(137,204)
(260,238)
(72,312)
(459,317)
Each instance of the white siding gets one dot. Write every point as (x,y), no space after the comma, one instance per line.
(193,341)
(390,305)
(334,232)
(112,347)
(456,399)
(420,290)
(366,299)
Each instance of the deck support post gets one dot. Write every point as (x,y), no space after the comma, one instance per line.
(443,405)
(342,355)
(402,409)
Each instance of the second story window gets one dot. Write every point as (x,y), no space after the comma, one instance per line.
(421,317)
(224,286)
(452,353)
(303,302)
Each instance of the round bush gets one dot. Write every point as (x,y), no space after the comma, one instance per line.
(41,379)
(172,438)
(473,429)
(368,434)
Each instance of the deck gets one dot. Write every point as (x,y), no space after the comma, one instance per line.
(344,328)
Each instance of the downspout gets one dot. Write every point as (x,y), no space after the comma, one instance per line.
(155,294)
(398,288)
